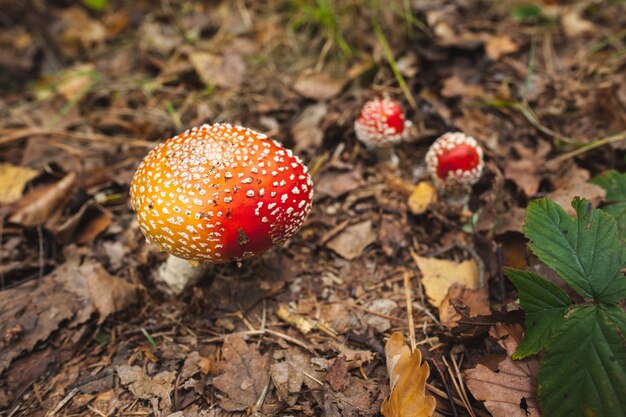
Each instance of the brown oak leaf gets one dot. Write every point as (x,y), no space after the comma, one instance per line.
(407,380)
(245,376)
(510,392)
(145,387)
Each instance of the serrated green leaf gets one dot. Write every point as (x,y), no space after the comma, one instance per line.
(545,305)
(585,251)
(618,211)
(617,316)
(584,370)
(614,183)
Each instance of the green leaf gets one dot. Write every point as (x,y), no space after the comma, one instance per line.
(617,316)
(545,305)
(525,12)
(618,211)
(614,183)
(584,370)
(97,5)
(586,252)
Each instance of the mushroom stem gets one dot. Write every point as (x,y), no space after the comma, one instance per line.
(456,197)
(178,273)
(386,155)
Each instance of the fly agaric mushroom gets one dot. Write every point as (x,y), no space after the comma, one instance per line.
(455,162)
(218,193)
(380,125)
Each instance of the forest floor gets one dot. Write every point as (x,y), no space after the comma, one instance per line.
(300,330)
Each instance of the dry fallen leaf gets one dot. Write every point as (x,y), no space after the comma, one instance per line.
(509,392)
(355,358)
(318,86)
(83,226)
(194,363)
(382,306)
(423,196)
(13,179)
(439,274)
(526,171)
(359,399)
(455,86)
(351,242)
(337,375)
(392,235)
(574,25)
(72,293)
(80,31)
(477,300)
(158,37)
(497,46)
(245,376)
(215,70)
(563,196)
(45,203)
(407,381)
(288,375)
(145,387)
(306,131)
(335,183)
(76,81)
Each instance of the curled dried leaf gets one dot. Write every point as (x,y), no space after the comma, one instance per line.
(407,381)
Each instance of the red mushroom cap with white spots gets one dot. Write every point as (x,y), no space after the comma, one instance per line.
(219,193)
(380,123)
(455,161)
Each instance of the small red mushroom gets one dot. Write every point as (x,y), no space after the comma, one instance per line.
(380,125)
(220,193)
(455,162)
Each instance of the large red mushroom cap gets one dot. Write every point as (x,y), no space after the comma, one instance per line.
(380,123)
(219,193)
(455,161)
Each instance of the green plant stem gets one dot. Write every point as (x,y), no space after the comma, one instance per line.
(392,63)
(586,148)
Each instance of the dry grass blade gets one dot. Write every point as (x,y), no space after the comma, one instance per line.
(586,148)
(407,376)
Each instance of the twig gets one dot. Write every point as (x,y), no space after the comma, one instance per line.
(13,135)
(372,312)
(449,395)
(266,389)
(95,410)
(443,394)
(293,340)
(313,378)
(462,386)
(409,309)
(460,392)
(62,403)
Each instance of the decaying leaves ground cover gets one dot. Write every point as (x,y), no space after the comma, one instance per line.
(301,330)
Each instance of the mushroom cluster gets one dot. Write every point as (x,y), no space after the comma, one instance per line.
(219,193)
